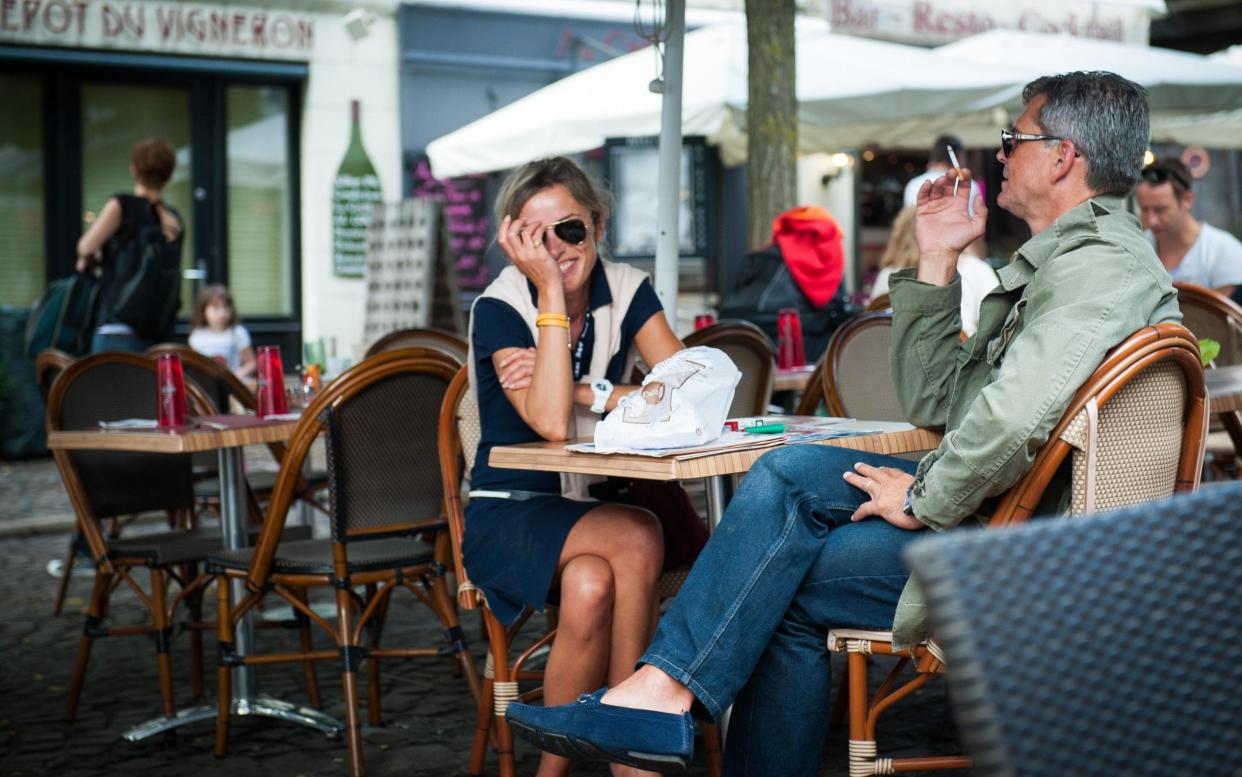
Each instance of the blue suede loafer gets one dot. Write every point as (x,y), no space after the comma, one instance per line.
(590,731)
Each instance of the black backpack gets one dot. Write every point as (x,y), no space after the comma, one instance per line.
(142,271)
(764,285)
(65,317)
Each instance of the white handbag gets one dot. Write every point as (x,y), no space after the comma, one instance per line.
(683,402)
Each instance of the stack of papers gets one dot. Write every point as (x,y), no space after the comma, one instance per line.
(793,430)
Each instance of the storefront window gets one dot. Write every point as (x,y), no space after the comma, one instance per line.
(114,116)
(260,263)
(21,191)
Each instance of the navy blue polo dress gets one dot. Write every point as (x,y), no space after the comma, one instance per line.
(512,547)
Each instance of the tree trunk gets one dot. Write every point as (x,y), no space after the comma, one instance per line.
(772,118)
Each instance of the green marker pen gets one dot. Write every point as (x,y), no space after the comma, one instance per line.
(766,429)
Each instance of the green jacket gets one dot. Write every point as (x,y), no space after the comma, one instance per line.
(1070,294)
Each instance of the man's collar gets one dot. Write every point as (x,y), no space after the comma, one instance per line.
(1041,247)
(599,293)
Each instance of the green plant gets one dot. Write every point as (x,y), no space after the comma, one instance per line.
(1209,349)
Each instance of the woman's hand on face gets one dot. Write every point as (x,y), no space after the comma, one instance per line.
(516,369)
(522,241)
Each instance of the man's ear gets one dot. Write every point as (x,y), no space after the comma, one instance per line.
(1066,160)
(1188,199)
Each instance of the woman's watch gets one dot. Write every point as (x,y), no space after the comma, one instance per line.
(602,389)
(907,507)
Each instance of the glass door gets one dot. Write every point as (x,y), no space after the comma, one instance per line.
(114,117)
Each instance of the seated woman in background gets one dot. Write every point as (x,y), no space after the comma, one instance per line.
(978,277)
(549,338)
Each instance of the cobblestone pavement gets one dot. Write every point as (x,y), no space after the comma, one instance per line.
(428,713)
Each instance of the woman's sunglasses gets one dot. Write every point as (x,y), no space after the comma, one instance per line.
(1158,175)
(571,230)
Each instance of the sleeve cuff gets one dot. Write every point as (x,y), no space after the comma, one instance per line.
(908,294)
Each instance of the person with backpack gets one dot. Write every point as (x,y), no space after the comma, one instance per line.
(136,241)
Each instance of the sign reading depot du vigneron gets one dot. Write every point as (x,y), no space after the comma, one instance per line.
(354,192)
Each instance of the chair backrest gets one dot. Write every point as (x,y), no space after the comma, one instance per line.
(858,376)
(1208,313)
(49,364)
(1110,645)
(459,422)
(878,302)
(1135,429)
(424,337)
(102,484)
(380,418)
(751,352)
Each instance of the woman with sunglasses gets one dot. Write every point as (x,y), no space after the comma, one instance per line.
(550,339)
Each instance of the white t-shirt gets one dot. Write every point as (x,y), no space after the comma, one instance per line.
(1215,259)
(912,189)
(978,278)
(227,344)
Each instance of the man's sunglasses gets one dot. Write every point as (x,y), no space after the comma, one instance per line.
(1009,139)
(571,230)
(1158,175)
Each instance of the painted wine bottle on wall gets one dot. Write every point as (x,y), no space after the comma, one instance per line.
(354,191)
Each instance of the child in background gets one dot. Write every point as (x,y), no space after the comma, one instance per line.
(217,334)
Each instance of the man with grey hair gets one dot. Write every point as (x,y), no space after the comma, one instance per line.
(814,536)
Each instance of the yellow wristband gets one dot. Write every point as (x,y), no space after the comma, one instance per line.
(552,319)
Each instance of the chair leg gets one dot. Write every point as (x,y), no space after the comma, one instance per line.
(163,638)
(350,656)
(224,671)
(66,572)
(94,616)
(483,720)
(446,610)
(306,641)
(712,748)
(194,610)
(862,749)
(375,630)
(502,686)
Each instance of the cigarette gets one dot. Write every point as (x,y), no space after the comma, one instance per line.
(956,166)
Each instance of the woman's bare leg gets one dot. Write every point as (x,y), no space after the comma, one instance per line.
(618,551)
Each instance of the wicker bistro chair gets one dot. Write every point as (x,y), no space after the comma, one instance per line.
(105,484)
(425,337)
(223,388)
(49,364)
(1133,433)
(385,491)
(1208,313)
(1039,626)
(816,392)
(858,380)
(460,431)
(751,351)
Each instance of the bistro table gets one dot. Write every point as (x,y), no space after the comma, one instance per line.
(227,435)
(892,438)
(1224,388)
(792,378)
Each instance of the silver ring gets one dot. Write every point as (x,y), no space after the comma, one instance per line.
(870,483)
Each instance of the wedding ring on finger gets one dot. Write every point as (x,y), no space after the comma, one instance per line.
(537,243)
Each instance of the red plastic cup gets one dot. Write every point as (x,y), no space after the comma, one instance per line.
(789,348)
(172,408)
(271,377)
(703,320)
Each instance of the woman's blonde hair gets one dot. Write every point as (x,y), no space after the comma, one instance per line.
(903,249)
(533,177)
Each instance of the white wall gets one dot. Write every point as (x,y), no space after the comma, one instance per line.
(343,70)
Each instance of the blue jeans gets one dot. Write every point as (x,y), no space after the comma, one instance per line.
(749,626)
(119,342)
